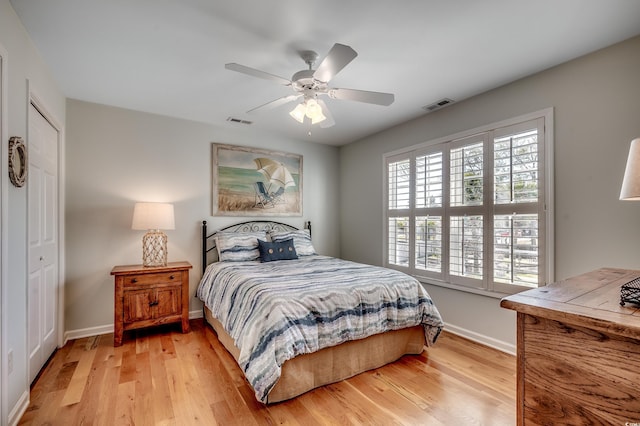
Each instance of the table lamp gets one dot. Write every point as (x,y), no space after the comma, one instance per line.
(631,182)
(153,217)
(630,292)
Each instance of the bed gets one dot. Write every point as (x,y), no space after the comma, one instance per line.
(295,320)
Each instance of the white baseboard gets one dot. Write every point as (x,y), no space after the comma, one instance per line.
(500,345)
(106,329)
(471,335)
(87,332)
(19,409)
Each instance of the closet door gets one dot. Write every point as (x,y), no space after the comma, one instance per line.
(42,181)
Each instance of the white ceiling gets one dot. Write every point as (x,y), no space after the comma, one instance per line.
(167,56)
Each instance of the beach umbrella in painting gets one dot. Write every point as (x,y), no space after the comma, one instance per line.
(275,172)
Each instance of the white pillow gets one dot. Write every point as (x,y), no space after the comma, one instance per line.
(238,246)
(301,240)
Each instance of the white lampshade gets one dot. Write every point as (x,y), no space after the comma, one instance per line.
(153,216)
(631,182)
(309,108)
(298,113)
(314,111)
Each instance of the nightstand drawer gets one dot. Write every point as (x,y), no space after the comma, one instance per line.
(156,278)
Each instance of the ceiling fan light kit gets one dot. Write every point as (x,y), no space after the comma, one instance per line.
(310,109)
(309,84)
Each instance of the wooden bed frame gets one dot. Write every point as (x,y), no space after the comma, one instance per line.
(329,365)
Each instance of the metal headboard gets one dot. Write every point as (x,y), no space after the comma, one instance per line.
(209,245)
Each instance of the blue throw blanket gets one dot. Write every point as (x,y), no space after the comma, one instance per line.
(275,311)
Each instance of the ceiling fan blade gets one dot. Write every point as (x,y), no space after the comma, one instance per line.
(274,104)
(338,57)
(257,73)
(328,121)
(377,98)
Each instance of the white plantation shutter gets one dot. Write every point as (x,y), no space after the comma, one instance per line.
(518,213)
(428,238)
(471,212)
(516,168)
(427,232)
(429,179)
(398,202)
(398,241)
(466,170)
(466,246)
(516,250)
(398,174)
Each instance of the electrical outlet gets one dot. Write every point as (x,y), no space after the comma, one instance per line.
(10,361)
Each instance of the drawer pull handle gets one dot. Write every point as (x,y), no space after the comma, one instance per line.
(134,280)
(153,303)
(171,277)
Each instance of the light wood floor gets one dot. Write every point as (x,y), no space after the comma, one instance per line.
(163,377)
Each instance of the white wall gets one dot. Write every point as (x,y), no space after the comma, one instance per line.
(596,100)
(23,63)
(116,157)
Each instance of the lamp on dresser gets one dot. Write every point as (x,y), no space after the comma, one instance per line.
(630,292)
(153,217)
(631,182)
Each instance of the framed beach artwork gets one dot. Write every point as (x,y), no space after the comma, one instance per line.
(256,182)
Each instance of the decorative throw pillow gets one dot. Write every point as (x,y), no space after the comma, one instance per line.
(301,240)
(238,246)
(283,250)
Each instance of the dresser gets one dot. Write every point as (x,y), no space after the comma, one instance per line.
(149,296)
(578,351)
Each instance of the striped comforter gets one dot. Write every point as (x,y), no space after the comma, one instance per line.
(275,311)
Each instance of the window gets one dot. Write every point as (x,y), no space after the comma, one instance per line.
(472,211)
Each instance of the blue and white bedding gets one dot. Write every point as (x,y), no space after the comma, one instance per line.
(275,311)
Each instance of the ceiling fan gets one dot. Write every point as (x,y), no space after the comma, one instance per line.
(310,84)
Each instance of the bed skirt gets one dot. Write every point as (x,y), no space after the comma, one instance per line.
(330,365)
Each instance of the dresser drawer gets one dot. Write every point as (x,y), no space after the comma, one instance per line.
(155,278)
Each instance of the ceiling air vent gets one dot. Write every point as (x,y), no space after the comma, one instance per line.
(238,120)
(439,104)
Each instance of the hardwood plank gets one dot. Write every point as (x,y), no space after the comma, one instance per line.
(189,404)
(381,386)
(164,377)
(326,409)
(356,407)
(80,375)
(91,397)
(128,363)
(125,403)
(447,409)
(46,408)
(144,407)
(106,410)
(198,399)
(292,413)
(161,396)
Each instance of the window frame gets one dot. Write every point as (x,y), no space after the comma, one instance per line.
(543,207)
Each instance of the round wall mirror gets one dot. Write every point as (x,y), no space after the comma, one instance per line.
(17,161)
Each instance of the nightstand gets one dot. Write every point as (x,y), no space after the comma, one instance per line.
(149,296)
